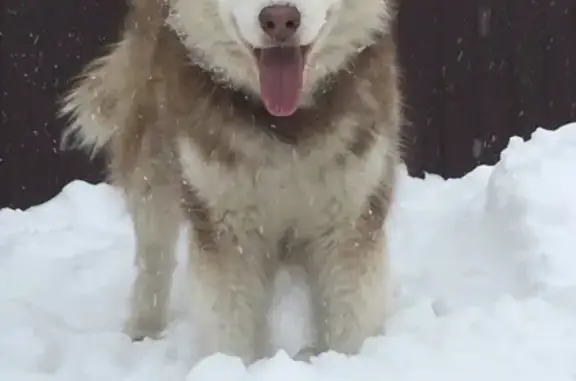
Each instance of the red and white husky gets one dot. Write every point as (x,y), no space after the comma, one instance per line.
(272,127)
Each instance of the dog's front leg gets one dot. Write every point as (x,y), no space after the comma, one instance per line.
(347,271)
(232,294)
(156,217)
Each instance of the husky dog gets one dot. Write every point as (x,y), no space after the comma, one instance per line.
(272,128)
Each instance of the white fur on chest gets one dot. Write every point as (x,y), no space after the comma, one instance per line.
(292,190)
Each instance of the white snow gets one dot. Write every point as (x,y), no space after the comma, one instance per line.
(486,267)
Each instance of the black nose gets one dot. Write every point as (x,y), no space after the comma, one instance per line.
(279,22)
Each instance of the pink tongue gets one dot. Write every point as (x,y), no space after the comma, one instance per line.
(281,72)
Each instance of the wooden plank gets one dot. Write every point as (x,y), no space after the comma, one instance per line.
(39,55)
(560,70)
(572,58)
(460,39)
(527,18)
(419,43)
(494,71)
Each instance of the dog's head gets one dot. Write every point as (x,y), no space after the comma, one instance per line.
(278,50)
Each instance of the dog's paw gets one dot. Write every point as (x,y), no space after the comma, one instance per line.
(305,354)
(138,330)
(137,339)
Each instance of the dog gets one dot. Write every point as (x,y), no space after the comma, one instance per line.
(272,128)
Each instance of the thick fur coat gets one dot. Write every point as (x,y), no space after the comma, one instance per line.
(177,108)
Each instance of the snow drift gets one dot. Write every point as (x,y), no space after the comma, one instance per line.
(485,265)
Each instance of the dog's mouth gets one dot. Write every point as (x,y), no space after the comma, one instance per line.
(281,77)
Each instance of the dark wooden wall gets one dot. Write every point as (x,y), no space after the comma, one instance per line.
(43,46)
(475,73)
(480,71)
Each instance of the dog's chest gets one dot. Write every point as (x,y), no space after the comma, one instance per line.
(293,190)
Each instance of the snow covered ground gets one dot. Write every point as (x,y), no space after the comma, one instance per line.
(486,266)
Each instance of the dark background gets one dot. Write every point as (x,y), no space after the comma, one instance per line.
(475,73)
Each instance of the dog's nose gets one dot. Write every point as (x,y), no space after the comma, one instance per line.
(279,22)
